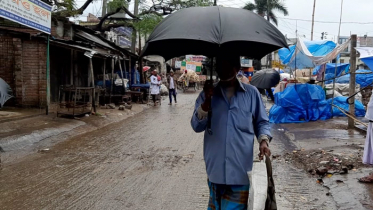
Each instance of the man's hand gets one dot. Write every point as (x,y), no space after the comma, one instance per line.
(208,88)
(264,150)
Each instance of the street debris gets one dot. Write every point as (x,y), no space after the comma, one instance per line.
(44,150)
(323,163)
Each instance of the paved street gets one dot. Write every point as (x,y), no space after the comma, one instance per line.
(150,161)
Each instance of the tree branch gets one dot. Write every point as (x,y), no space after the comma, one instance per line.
(103,19)
(69,13)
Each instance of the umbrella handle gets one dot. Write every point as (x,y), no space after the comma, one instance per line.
(209,131)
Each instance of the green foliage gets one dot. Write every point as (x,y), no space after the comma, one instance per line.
(115,4)
(261,7)
(147,23)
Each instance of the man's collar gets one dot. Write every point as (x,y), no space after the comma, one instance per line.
(241,85)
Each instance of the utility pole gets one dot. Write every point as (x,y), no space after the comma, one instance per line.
(104,6)
(313,18)
(351,110)
(134,32)
(269,56)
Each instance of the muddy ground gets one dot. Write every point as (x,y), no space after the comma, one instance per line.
(153,160)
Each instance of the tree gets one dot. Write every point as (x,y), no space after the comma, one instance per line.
(115,4)
(261,7)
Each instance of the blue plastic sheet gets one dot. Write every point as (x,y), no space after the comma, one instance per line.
(316,48)
(341,101)
(368,62)
(330,68)
(363,80)
(300,103)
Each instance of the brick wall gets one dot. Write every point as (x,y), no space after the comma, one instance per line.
(33,73)
(23,67)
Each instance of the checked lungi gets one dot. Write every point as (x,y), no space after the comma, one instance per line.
(228,197)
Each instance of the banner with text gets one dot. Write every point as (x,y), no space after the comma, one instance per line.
(32,13)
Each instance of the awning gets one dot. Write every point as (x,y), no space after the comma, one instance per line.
(95,39)
(96,51)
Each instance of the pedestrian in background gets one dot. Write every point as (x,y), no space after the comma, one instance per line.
(171,85)
(238,114)
(154,85)
(368,147)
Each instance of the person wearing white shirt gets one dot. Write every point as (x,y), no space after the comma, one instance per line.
(172,85)
(154,86)
(368,148)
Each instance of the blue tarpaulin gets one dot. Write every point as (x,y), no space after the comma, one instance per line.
(316,48)
(330,68)
(300,103)
(363,80)
(341,101)
(369,62)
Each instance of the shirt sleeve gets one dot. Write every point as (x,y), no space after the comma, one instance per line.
(261,121)
(199,118)
(154,80)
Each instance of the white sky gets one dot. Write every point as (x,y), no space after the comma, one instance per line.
(356,11)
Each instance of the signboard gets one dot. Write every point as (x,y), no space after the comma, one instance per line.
(190,65)
(177,64)
(32,13)
(123,42)
(124,31)
(195,58)
(246,62)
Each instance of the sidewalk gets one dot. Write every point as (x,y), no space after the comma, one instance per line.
(24,131)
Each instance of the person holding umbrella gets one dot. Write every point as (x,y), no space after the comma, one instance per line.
(264,80)
(231,113)
(238,116)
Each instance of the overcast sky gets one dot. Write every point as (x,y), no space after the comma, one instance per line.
(356,11)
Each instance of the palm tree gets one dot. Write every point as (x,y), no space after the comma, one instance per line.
(262,7)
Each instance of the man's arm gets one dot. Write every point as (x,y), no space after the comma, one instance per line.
(154,80)
(199,118)
(261,121)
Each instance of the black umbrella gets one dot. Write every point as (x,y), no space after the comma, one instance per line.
(211,31)
(265,78)
(5,92)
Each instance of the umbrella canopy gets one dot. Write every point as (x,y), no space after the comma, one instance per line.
(211,31)
(5,92)
(266,78)
(145,68)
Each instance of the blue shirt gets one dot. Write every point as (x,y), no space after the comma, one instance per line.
(228,152)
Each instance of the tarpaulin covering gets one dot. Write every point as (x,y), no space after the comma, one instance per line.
(341,101)
(363,80)
(309,54)
(300,103)
(5,92)
(330,68)
(366,55)
(316,48)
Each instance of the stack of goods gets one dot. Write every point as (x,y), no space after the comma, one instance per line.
(191,76)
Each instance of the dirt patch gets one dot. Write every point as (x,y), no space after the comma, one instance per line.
(323,162)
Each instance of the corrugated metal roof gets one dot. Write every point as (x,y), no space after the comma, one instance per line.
(81,48)
(95,39)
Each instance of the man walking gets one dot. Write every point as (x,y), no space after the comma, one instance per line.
(238,114)
(154,86)
(171,85)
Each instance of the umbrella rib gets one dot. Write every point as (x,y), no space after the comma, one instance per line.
(220,30)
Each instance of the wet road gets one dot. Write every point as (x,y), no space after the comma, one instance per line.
(150,161)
